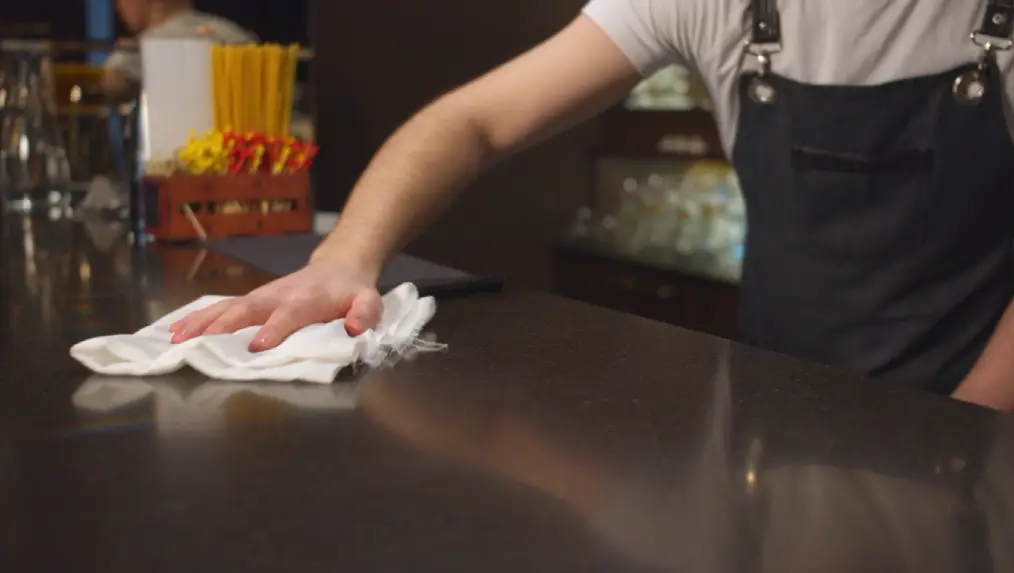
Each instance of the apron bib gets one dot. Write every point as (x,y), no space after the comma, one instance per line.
(879,217)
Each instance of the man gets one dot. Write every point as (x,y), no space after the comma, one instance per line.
(161,19)
(871,138)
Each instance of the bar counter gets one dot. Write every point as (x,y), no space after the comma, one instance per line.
(551,436)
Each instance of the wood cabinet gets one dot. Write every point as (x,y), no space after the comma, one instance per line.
(684,299)
(677,135)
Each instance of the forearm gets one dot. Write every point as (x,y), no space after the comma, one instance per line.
(414,176)
(991,381)
(425,164)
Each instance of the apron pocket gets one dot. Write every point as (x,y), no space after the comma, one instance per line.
(906,161)
(873,208)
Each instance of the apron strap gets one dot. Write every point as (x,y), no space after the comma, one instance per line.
(767,27)
(765,39)
(994,35)
(997,23)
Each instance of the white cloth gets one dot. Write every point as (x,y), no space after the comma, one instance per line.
(314,354)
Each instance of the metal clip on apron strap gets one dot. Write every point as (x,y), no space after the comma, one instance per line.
(994,35)
(765,39)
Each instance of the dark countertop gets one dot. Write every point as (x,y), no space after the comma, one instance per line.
(551,436)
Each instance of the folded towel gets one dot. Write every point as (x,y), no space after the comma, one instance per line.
(314,354)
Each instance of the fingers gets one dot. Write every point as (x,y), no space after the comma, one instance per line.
(195,323)
(244,312)
(220,318)
(364,312)
(284,321)
(280,315)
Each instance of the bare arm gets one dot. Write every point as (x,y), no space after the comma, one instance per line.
(419,171)
(991,381)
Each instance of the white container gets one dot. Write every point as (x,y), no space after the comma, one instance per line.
(177,94)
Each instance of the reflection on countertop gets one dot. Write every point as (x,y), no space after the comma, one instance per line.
(187,403)
(726,487)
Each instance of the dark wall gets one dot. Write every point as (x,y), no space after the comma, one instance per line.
(64,18)
(377,62)
(281,22)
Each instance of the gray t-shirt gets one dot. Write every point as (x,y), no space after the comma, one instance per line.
(850,42)
(189,24)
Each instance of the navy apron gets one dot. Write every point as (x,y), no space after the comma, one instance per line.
(879,217)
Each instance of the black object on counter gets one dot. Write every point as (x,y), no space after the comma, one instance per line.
(280,256)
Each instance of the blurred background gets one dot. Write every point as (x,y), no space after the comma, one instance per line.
(79,19)
(636,210)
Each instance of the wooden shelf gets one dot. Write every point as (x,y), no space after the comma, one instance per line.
(685,135)
(688,300)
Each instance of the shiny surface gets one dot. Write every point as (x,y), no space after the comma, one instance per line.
(550,436)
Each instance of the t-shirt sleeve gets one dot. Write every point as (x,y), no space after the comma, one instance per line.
(127,63)
(641,29)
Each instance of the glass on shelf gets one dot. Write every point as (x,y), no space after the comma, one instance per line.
(674,88)
(691,214)
(583,225)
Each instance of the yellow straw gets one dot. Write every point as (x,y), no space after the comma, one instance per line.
(289,81)
(227,89)
(254,85)
(250,88)
(218,86)
(242,98)
(279,89)
(237,88)
(223,80)
(263,113)
(272,54)
(214,88)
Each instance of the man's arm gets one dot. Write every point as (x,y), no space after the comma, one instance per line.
(422,167)
(991,381)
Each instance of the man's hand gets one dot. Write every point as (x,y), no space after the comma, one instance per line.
(320,292)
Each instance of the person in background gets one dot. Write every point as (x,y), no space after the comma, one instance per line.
(161,19)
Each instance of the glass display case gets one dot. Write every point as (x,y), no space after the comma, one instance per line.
(662,232)
(663,192)
(674,88)
(688,216)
